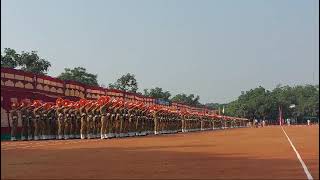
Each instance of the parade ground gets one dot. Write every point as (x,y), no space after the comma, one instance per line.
(246,153)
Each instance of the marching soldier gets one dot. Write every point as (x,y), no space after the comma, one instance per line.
(143,122)
(37,119)
(95,119)
(82,111)
(117,121)
(98,123)
(78,120)
(138,122)
(112,121)
(156,125)
(121,122)
(14,121)
(126,128)
(52,131)
(131,121)
(89,120)
(30,117)
(73,120)
(45,121)
(67,119)
(24,119)
(60,120)
(103,118)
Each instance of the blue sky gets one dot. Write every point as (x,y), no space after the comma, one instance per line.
(213,48)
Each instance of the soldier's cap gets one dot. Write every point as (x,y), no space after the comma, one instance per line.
(82,102)
(48,105)
(103,99)
(14,104)
(77,105)
(59,101)
(36,103)
(25,102)
(70,104)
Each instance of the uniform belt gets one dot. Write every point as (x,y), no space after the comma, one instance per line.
(37,116)
(24,116)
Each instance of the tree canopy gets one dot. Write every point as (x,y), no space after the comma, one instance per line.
(126,83)
(190,100)
(27,61)
(10,58)
(158,93)
(263,104)
(79,74)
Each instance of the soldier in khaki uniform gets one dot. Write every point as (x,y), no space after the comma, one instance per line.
(131,120)
(30,117)
(82,110)
(98,123)
(103,119)
(24,119)
(45,121)
(138,120)
(112,122)
(126,127)
(95,119)
(78,120)
(60,118)
(117,120)
(67,119)
(143,122)
(52,130)
(89,120)
(37,121)
(14,121)
(73,118)
(121,122)
(156,121)
(110,119)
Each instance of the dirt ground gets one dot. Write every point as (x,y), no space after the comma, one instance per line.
(247,153)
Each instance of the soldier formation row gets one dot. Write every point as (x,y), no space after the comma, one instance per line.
(106,118)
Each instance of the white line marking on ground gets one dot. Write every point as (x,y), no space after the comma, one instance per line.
(299,157)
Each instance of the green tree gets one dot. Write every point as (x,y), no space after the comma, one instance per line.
(31,62)
(157,93)
(187,99)
(79,74)
(10,58)
(126,83)
(264,104)
(27,61)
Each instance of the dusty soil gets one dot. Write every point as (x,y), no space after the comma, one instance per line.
(248,153)
(306,141)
